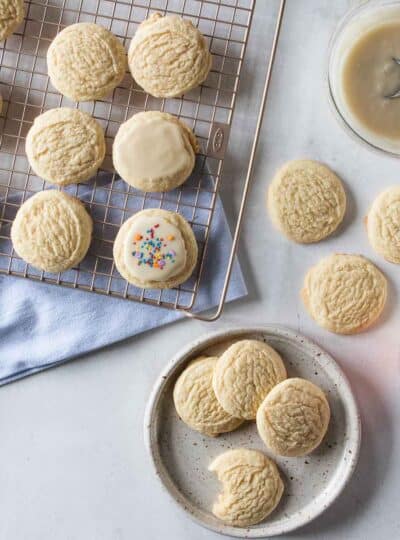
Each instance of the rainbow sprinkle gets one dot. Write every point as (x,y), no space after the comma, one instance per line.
(148,249)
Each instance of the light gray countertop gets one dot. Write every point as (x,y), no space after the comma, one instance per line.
(74,465)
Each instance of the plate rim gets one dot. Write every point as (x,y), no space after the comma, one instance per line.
(207,340)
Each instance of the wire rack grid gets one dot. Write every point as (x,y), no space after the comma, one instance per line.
(208,110)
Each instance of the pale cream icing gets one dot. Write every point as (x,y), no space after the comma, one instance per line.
(150,149)
(154,249)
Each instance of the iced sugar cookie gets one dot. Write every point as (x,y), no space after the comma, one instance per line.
(168,56)
(344,293)
(195,401)
(154,151)
(12,14)
(52,231)
(252,487)
(155,249)
(306,201)
(244,375)
(293,418)
(85,61)
(65,146)
(383,225)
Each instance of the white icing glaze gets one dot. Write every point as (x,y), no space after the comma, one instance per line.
(151,149)
(154,249)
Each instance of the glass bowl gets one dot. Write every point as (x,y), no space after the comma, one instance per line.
(355,23)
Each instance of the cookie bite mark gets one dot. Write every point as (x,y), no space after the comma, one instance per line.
(252,487)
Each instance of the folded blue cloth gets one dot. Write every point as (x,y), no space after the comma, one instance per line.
(44,325)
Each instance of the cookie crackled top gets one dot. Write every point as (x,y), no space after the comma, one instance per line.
(85,61)
(252,486)
(383,224)
(168,56)
(52,231)
(344,293)
(11,15)
(65,146)
(306,201)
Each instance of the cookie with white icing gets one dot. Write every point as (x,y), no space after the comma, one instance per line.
(154,151)
(155,249)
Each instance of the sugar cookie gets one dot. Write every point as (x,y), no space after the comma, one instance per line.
(306,201)
(293,418)
(383,224)
(155,249)
(12,14)
(344,293)
(168,56)
(52,231)
(252,487)
(65,146)
(195,401)
(244,375)
(154,151)
(86,61)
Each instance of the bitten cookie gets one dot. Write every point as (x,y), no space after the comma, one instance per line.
(52,231)
(168,56)
(306,201)
(65,146)
(154,151)
(383,225)
(244,375)
(155,249)
(344,293)
(293,418)
(195,401)
(85,61)
(252,487)
(12,14)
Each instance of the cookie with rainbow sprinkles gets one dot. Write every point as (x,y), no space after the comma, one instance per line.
(155,249)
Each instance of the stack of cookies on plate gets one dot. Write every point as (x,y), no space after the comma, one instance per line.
(249,382)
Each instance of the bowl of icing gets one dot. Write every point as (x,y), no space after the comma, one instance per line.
(364,74)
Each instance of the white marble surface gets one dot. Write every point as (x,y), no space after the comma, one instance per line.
(73,461)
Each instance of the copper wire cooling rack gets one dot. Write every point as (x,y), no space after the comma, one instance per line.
(27,92)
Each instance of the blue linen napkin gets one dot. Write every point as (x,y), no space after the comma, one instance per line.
(43,325)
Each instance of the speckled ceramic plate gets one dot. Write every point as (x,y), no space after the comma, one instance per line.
(181,456)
